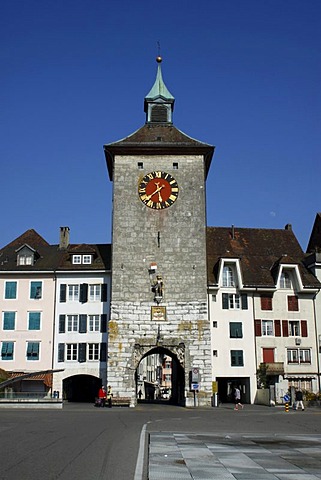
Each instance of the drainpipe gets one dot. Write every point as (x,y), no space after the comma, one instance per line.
(317,340)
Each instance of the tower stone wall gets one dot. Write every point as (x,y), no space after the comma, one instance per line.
(173,240)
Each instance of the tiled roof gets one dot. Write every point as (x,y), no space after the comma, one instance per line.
(51,257)
(260,252)
(157,139)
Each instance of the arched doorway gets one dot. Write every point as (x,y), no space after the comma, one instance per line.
(81,388)
(152,377)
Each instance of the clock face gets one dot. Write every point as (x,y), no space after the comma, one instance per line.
(158,190)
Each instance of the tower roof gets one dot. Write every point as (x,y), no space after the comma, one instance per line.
(159,88)
(158,136)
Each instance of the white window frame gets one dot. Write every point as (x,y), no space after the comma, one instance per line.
(93,351)
(285,280)
(72,323)
(294,328)
(71,352)
(73,293)
(94,323)
(267,328)
(76,259)
(228,276)
(234,301)
(86,259)
(299,356)
(95,292)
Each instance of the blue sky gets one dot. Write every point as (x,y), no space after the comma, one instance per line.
(245,75)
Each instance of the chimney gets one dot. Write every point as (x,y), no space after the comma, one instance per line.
(233,232)
(288,226)
(64,238)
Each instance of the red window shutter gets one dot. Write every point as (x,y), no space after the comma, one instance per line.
(266,302)
(304,328)
(293,303)
(257,327)
(277,328)
(285,328)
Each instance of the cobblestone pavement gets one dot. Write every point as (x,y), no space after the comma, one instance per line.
(234,456)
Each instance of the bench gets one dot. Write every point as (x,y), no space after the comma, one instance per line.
(121,401)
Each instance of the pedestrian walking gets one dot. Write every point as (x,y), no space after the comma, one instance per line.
(237,396)
(109,396)
(299,400)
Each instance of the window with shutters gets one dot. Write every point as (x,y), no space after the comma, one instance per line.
(73,293)
(72,323)
(7,349)
(267,328)
(72,351)
(93,323)
(10,290)
(237,358)
(34,320)
(95,293)
(266,302)
(236,330)
(293,303)
(233,301)
(93,351)
(294,328)
(33,350)
(9,320)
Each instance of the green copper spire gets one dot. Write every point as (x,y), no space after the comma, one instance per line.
(159,102)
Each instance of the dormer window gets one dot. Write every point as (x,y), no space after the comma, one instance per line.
(25,255)
(82,259)
(285,280)
(228,276)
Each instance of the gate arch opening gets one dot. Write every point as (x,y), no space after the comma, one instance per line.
(81,388)
(160,378)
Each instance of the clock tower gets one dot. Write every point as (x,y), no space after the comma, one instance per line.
(159,279)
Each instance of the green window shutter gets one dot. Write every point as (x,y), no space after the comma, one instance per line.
(11,290)
(103,296)
(83,293)
(82,352)
(103,352)
(63,292)
(103,323)
(225,301)
(9,320)
(62,323)
(244,301)
(82,323)
(36,290)
(34,320)
(61,352)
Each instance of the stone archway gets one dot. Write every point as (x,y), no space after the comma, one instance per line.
(177,353)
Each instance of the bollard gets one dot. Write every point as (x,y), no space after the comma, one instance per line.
(286,407)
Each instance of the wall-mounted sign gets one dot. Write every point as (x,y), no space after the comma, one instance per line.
(158,313)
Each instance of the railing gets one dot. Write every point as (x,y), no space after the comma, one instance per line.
(29,396)
(275,368)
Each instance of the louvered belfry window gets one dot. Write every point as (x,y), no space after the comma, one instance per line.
(159,113)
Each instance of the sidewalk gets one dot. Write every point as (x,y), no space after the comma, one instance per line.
(234,456)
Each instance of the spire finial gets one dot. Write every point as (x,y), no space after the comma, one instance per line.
(158,58)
